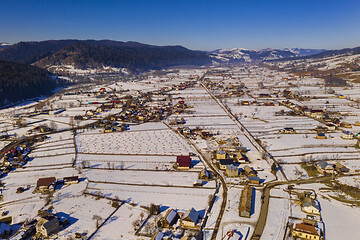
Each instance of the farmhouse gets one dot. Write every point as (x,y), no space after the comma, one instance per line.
(320,136)
(309,206)
(289,130)
(246,201)
(324,167)
(221,155)
(225,162)
(254,180)
(170,218)
(249,171)
(205,175)
(347,135)
(3,135)
(190,218)
(305,231)
(183,162)
(330,127)
(345,125)
(47,226)
(46,184)
(232,171)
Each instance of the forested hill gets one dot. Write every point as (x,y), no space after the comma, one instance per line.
(91,53)
(20,81)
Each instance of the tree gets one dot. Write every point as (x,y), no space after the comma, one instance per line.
(98,219)
(274,168)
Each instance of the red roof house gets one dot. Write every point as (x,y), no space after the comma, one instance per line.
(183,162)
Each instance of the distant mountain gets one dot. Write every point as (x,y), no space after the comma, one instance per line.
(20,81)
(248,55)
(335,66)
(84,54)
(331,53)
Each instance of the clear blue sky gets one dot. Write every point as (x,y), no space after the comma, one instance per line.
(196,24)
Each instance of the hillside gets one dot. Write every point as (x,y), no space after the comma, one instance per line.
(19,82)
(84,54)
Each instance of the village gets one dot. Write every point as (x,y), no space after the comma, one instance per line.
(224,152)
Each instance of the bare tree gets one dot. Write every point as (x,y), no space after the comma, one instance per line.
(98,220)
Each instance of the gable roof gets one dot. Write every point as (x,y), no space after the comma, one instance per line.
(306,229)
(322,164)
(41,182)
(192,215)
(171,216)
(226,162)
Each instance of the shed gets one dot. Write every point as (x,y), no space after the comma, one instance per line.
(246,201)
(340,168)
(71,180)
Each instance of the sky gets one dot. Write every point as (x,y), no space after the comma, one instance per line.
(196,24)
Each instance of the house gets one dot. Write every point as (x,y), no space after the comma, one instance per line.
(108,130)
(220,154)
(289,130)
(89,113)
(254,180)
(320,136)
(331,127)
(232,171)
(205,175)
(246,201)
(71,180)
(5,230)
(324,167)
(191,236)
(45,184)
(249,171)
(347,135)
(345,125)
(158,236)
(198,183)
(47,226)
(309,206)
(305,231)
(231,235)
(183,162)
(170,218)
(225,162)
(190,218)
(340,168)
(3,135)
(316,114)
